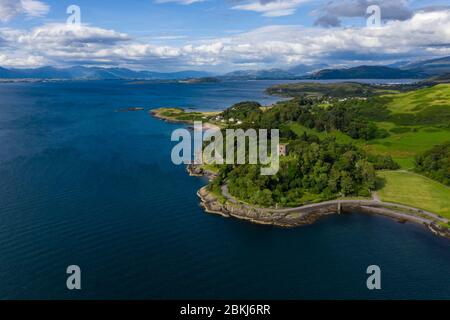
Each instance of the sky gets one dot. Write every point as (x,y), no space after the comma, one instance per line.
(220,35)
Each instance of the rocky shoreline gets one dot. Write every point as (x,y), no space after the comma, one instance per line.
(198,171)
(211,204)
(308,214)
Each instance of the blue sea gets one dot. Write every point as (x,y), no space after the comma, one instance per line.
(82,184)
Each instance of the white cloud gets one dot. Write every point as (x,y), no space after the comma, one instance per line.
(424,34)
(9,9)
(57,42)
(333,10)
(274,8)
(58,34)
(14,61)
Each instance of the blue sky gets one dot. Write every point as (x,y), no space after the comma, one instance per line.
(209,18)
(219,35)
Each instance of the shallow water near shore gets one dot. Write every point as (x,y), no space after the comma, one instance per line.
(83,184)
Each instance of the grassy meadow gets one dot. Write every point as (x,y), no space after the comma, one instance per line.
(419,100)
(415,190)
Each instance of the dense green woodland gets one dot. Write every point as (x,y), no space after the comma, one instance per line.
(344,116)
(315,170)
(435,163)
(318,169)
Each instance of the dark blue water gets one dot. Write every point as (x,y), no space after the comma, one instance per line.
(82,184)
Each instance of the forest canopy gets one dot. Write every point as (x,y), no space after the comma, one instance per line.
(435,163)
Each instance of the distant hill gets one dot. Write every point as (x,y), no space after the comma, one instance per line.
(444,78)
(295,72)
(272,74)
(334,90)
(399,64)
(96,73)
(365,72)
(303,69)
(430,67)
(398,70)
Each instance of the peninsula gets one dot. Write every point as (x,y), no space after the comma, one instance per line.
(345,154)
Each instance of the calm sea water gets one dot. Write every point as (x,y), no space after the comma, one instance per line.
(82,184)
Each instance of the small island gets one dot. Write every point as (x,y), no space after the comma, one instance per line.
(131,109)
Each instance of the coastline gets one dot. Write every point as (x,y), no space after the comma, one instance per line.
(304,215)
(309,214)
(159,114)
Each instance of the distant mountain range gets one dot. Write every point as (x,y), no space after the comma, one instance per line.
(365,72)
(273,74)
(432,67)
(96,73)
(398,70)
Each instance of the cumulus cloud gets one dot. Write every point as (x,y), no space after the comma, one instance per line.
(424,34)
(15,61)
(420,35)
(9,9)
(59,41)
(59,34)
(271,8)
(334,10)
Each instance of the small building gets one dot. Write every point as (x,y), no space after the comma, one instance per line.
(283,149)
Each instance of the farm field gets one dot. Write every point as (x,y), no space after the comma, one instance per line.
(415,190)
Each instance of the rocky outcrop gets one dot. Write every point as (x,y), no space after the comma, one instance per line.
(305,215)
(439,230)
(199,171)
(295,218)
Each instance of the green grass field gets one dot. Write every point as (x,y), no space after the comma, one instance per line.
(431,106)
(418,100)
(403,147)
(415,190)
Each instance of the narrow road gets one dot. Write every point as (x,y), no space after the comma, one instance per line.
(376,202)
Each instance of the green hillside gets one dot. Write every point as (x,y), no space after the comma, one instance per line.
(420,100)
(415,121)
